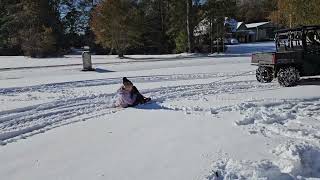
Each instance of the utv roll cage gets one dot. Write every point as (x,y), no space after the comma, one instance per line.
(304,38)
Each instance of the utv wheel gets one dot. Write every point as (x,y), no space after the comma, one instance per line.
(264,74)
(288,76)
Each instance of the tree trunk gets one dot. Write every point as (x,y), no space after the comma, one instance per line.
(111,50)
(211,35)
(189,31)
(120,52)
(121,55)
(217,24)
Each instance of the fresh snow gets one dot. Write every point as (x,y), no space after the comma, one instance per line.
(209,119)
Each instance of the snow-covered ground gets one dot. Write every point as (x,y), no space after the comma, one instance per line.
(210,119)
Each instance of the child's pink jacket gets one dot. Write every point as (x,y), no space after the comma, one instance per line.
(124,98)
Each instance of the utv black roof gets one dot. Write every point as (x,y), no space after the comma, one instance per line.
(315,27)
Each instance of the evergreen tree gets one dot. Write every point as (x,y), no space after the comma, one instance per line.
(37,37)
(117,24)
(9,27)
(178,25)
(33,26)
(216,12)
(75,17)
(3,20)
(177,30)
(155,38)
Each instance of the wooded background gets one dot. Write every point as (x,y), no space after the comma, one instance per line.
(44,28)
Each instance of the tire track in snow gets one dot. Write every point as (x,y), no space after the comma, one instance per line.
(200,90)
(58,87)
(36,118)
(24,122)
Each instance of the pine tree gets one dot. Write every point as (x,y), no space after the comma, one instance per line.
(3,19)
(75,18)
(180,22)
(9,27)
(117,24)
(177,30)
(156,15)
(216,12)
(37,35)
(32,26)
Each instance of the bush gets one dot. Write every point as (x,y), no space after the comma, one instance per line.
(181,42)
(39,44)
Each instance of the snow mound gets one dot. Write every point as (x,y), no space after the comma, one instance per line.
(294,161)
(264,113)
(297,119)
(232,169)
(299,159)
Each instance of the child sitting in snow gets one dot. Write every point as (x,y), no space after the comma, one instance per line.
(129,96)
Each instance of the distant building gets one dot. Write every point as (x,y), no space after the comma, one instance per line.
(263,30)
(244,33)
(252,32)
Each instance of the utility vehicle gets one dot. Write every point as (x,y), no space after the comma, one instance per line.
(297,54)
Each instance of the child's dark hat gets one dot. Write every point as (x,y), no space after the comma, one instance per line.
(126,81)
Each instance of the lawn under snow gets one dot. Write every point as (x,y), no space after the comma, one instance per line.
(210,119)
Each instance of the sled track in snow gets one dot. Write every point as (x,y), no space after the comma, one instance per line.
(24,122)
(58,87)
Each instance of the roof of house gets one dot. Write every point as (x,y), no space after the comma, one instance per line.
(239,24)
(255,25)
(203,27)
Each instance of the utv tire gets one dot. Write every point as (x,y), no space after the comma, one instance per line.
(264,74)
(288,76)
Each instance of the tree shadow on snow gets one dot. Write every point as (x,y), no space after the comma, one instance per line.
(99,70)
(310,81)
(181,57)
(152,106)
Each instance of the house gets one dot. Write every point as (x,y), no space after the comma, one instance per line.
(204,41)
(263,30)
(241,26)
(252,32)
(207,37)
(244,33)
